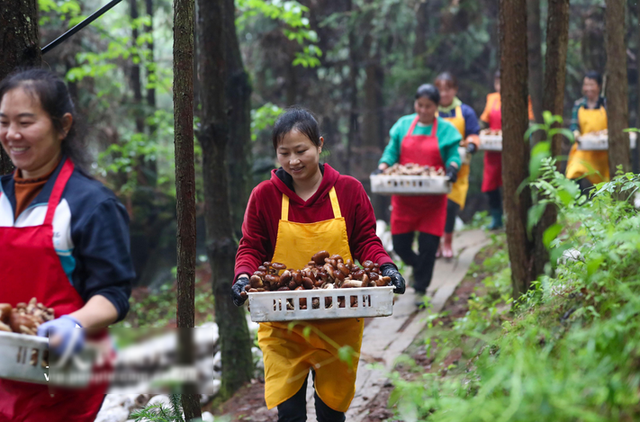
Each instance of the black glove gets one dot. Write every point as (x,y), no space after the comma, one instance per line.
(390,270)
(376,172)
(238,293)
(452,173)
(472,148)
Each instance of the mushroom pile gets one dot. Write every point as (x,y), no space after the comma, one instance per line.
(24,318)
(324,271)
(413,170)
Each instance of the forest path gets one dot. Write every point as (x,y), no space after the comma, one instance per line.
(385,339)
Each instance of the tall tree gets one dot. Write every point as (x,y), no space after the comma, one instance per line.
(536,66)
(553,101)
(183,16)
(617,101)
(134,74)
(514,72)
(19,45)
(213,136)
(239,106)
(353,138)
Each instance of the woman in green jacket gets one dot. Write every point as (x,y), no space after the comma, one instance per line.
(425,139)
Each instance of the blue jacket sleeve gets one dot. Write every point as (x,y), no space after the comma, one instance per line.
(103,253)
(472,127)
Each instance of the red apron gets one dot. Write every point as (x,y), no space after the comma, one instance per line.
(428,213)
(31,268)
(492,175)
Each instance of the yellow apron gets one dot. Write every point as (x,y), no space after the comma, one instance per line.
(288,355)
(461,186)
(585,162)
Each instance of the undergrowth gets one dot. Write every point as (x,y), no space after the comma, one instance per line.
(569,350)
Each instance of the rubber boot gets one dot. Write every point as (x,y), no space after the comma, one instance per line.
(496,219)
(447,248)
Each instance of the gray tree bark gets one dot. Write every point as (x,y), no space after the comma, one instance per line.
(553,101)
(183,23)
(239,106)
(617,89)
(515,121)
(536,66)
(213,136)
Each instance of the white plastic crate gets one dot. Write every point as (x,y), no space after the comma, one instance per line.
(22,356)
(490,143)
(590,142)
(410,185)
(331,304)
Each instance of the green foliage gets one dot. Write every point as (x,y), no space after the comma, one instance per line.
(571,353)
(158,309)
(263,118)
(291,14)
(160,412)
(63,9)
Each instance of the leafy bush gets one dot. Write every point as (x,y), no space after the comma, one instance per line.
(572,351)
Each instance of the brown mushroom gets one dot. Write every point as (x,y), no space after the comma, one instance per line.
(5,312)
(278,266)
(319,257)
(285,277)
(307,283)
(255,282)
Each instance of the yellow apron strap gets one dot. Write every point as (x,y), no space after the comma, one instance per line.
(334,203)
(285,208)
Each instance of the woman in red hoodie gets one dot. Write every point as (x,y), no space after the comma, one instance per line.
(307,207)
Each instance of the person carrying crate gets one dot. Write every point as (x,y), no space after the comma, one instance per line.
(425,139)
(492,172)
(589,114)
(304,208)
(64,239)
(465,120)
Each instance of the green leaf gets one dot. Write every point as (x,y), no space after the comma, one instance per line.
(550,234)
(345,354)
(535,213)
(595,260)
(306,332)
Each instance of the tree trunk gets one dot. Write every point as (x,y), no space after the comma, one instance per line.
(373,134)
(553,101)
(638,73)
(617,101)
(536,66)
(19,46)
(185,189)
(134,76)
(514,72)
(239,104)
(151,166)
(420,44)
(353,138)
(213,136)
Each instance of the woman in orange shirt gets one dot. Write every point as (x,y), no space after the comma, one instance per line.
(492,175)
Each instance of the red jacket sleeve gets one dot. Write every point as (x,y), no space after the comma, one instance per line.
(363,241)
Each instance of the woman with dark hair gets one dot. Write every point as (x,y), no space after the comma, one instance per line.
(492,174)
(64,240)
(307,207)
(465,120)
(589,114)
(428,140)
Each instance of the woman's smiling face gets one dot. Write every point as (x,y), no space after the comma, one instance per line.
(27,134)
(298,156)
